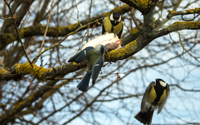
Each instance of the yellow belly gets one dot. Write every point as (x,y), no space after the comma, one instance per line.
(118,28)
(152,95)
(162,97)
(108,26)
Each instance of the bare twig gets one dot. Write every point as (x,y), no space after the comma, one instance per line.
(189,90)
(134,20)
(185,48)
(8,4)
(46,29)
(195,16)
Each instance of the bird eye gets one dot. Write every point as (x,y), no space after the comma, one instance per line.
(119,20)
(111,17)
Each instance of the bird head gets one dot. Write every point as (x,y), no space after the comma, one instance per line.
(161,82)
(115,18)
(101,49)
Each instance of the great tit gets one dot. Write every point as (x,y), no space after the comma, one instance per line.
(95,58)
(154,97)
(113,24)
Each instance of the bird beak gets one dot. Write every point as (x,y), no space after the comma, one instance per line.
(115,21)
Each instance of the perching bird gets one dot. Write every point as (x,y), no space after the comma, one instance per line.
(95,57)
(154,97)
(113,24)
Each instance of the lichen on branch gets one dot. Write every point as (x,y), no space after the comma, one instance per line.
(23,69)
(143,6)
(184,12)
(122,53)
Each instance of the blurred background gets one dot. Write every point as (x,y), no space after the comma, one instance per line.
(117,94)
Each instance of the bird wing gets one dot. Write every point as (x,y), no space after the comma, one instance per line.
(96,69)
(165,99)
(107,26)
(145,96)
(103,28)
(120,33)
(81,56)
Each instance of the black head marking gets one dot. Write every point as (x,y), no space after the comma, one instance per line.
(115,18)
(160,82)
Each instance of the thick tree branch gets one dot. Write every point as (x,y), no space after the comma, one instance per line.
(144,6)
(130,49)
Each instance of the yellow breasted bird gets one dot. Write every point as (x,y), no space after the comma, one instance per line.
(95,58)
(154,97)
(113,24)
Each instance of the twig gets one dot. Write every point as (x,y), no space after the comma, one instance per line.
(57,78)
(134,20)
(189,90)
(195,16)
(46,29)
(81,42)
(8,4)
(185,48)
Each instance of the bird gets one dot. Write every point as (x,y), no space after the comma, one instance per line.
(95,58)
(154,97)
(113,24)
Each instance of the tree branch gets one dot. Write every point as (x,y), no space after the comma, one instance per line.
(185,12)
(176,27)
(187,90)
(143,6)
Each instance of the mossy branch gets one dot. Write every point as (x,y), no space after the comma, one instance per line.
(143,6)
(185,12)
(176,27)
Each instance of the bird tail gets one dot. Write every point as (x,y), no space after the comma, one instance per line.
(83,85)
(144,117)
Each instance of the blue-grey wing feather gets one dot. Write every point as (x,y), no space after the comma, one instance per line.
(83,85)
(96,69)
(81,56)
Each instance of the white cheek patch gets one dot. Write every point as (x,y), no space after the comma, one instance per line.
(162,83)
(85,52)
(111,17)
(119,20)
(96,65)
